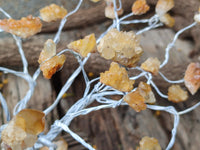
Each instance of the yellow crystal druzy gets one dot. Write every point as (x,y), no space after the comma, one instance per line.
(151,65)
(84,46)
(140,7)
(149,143)
(24,28)
(121,47)
(192,77)
(176,94)
(146,92)
(52,12)
(23,129)
(117,77)
(135,100)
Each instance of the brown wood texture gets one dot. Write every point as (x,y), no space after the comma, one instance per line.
(110,129)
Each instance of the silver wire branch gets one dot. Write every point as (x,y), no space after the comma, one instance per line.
(171,110)
(66,87)
(170,81)
(5,107)
(63,21)
(170,45)
(74,135)
(157,90)
(189,109)
(19,45)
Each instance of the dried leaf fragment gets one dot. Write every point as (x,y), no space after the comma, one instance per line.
(192,77)
(140,7)
(23,129)
(146,92)
(176,94)
(135,100)
(49,63)
(117,77)
(163,6)
(151,65)
(84,46)
(149,143)
(24,28)
(121,47)
(52,12)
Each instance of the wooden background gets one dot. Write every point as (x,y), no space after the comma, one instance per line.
(110,129)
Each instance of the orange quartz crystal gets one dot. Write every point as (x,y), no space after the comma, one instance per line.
(52,65)
(140,7)
(151,65)
(168,20)
(48,51)
(23,129)
(117,77)
(146,92)
(192,77)
(135,100)
(163,6)
(110,13)
(49,63)
(197,16)
(52,12)
(176,94)
(84,46)
(24,28)
(149,143)
(121,47)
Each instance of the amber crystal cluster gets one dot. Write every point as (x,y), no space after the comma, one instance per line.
(146,92)
(117,77)
(49,63)
(24,28)
(22,131)
(176,94)
(197,16)
(149,143)
(140,7)
(151,65)
(121,47)
(84,46)
(192,77)
(110,11)
(135,100)
(52,12)
(162,7)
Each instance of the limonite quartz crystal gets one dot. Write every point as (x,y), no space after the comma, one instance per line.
(121,47)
